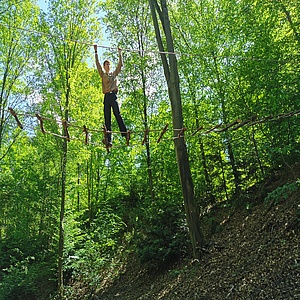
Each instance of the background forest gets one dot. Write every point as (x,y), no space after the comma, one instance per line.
(70,211)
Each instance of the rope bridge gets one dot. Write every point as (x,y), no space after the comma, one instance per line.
(180,132)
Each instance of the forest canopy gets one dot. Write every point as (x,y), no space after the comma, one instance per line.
(69,210)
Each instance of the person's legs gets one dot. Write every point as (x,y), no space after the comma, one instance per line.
(117,114)
(107,115)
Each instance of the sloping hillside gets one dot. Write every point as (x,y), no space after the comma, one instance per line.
(253,254)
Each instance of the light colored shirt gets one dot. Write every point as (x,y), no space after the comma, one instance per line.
(109,81)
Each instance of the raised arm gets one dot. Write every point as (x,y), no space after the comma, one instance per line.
(98,65)
(120,63)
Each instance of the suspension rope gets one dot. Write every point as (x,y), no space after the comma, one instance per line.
(88,43)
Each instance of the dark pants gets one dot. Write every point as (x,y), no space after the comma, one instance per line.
(110,102)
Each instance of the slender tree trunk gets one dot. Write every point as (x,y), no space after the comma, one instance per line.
(145,118)
(235,172)
(78,184)
(97,183)
(88,183)
(257,153)
(149,166)
(208,181)
(61,219)
(223,173)
(63,186)
(172,77)
(209,185)
(92,185)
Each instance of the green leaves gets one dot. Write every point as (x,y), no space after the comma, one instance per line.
(237,61)
(282,193)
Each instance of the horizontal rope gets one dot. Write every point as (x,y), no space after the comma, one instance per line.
(88,43)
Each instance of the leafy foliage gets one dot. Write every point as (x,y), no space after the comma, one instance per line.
(237,60)
(282,193)
(162,236)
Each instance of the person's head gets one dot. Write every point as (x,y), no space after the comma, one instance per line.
(106,65)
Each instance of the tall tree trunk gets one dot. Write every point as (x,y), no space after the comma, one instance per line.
(149,166)
(63,184)
(236,175)
(145,116)
(61,218)
(89,174)
(224,183)
(208,181)
(261,167)
(78,185)
(98,177)
(172,77)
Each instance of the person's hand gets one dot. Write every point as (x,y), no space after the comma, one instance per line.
(95,48)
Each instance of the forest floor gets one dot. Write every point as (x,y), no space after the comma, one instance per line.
(254,254)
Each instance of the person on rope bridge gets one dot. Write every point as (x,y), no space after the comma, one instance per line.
(110,90)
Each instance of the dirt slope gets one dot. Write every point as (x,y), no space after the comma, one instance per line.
(254,255)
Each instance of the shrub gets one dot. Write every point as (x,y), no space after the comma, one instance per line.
(282,193)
